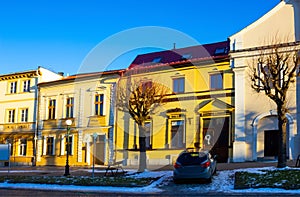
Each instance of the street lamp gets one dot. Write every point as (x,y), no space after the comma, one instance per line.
(67,167)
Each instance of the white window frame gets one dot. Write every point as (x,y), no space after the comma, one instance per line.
(213,83)
(24,112)
(183,140)
(22,147)
(177,84)
(52,108)
(11,115)
(13,87)
(63,144)
(103,104)
(69,107)
(26,85)
(45,145)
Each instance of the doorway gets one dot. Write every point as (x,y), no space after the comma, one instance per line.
(216,137)
(100,150)
(271,143)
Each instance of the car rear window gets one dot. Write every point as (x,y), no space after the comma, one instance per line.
(192,158)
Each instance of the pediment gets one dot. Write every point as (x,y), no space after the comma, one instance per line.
(214,105)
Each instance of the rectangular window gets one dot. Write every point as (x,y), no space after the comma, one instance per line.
(178,85)
(11,116)
(69,107)
(216,81)
(148,135)
(13,87)
(26,86)
(22,147)
(24,115)
(69,145)
(177,134)
(50,146)
(99,104)
(51,109)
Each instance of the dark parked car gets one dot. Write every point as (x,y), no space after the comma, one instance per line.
(194,165)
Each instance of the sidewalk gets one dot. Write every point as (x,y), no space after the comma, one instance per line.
(100,170)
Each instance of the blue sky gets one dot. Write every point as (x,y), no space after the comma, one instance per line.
(59,34)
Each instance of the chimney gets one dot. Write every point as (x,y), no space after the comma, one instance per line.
(61,73)
(174,45)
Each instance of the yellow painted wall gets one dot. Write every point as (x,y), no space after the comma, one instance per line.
(197,83)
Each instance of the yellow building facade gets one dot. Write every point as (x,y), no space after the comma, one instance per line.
(197,112)
(18,103)
(86,100)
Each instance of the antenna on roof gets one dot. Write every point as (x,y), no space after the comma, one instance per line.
(174,45)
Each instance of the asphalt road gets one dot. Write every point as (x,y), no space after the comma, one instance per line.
(41,193)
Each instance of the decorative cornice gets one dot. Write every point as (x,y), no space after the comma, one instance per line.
(12,76)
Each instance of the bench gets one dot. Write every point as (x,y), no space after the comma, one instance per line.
(114,168)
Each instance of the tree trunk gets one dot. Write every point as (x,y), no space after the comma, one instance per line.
(142,144)
(282,122)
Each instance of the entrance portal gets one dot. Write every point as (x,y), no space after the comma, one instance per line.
(216,137)
(271,143)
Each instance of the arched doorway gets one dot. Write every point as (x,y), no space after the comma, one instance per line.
(265,136)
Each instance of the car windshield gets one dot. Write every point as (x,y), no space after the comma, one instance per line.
(192,158)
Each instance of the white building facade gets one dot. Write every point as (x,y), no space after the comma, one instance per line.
(18,104)
(256,115)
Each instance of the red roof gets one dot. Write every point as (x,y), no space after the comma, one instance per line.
(199,52)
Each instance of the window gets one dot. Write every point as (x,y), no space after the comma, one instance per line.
(51,109)
(50,146)
(22,147)
(68,145)
(26,86)
(11,116)
(216,81)
(24,115)
(13,87)
(148,135)
(220,50)
(69,107)
(178,85)
(186,56)
(156,60)
(99,104)
(177,134)
(64,145)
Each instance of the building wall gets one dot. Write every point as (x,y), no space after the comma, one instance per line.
(278,25)
(196,100)
(21,128)
(86,126)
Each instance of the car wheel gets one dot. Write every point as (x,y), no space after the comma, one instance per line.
(176,181)
(215,171)
(209,180)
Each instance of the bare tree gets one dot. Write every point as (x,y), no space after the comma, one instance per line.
(140,99)
(272,72)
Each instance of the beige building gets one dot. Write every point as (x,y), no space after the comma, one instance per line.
(18,103)
(256,116)
(87,100)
